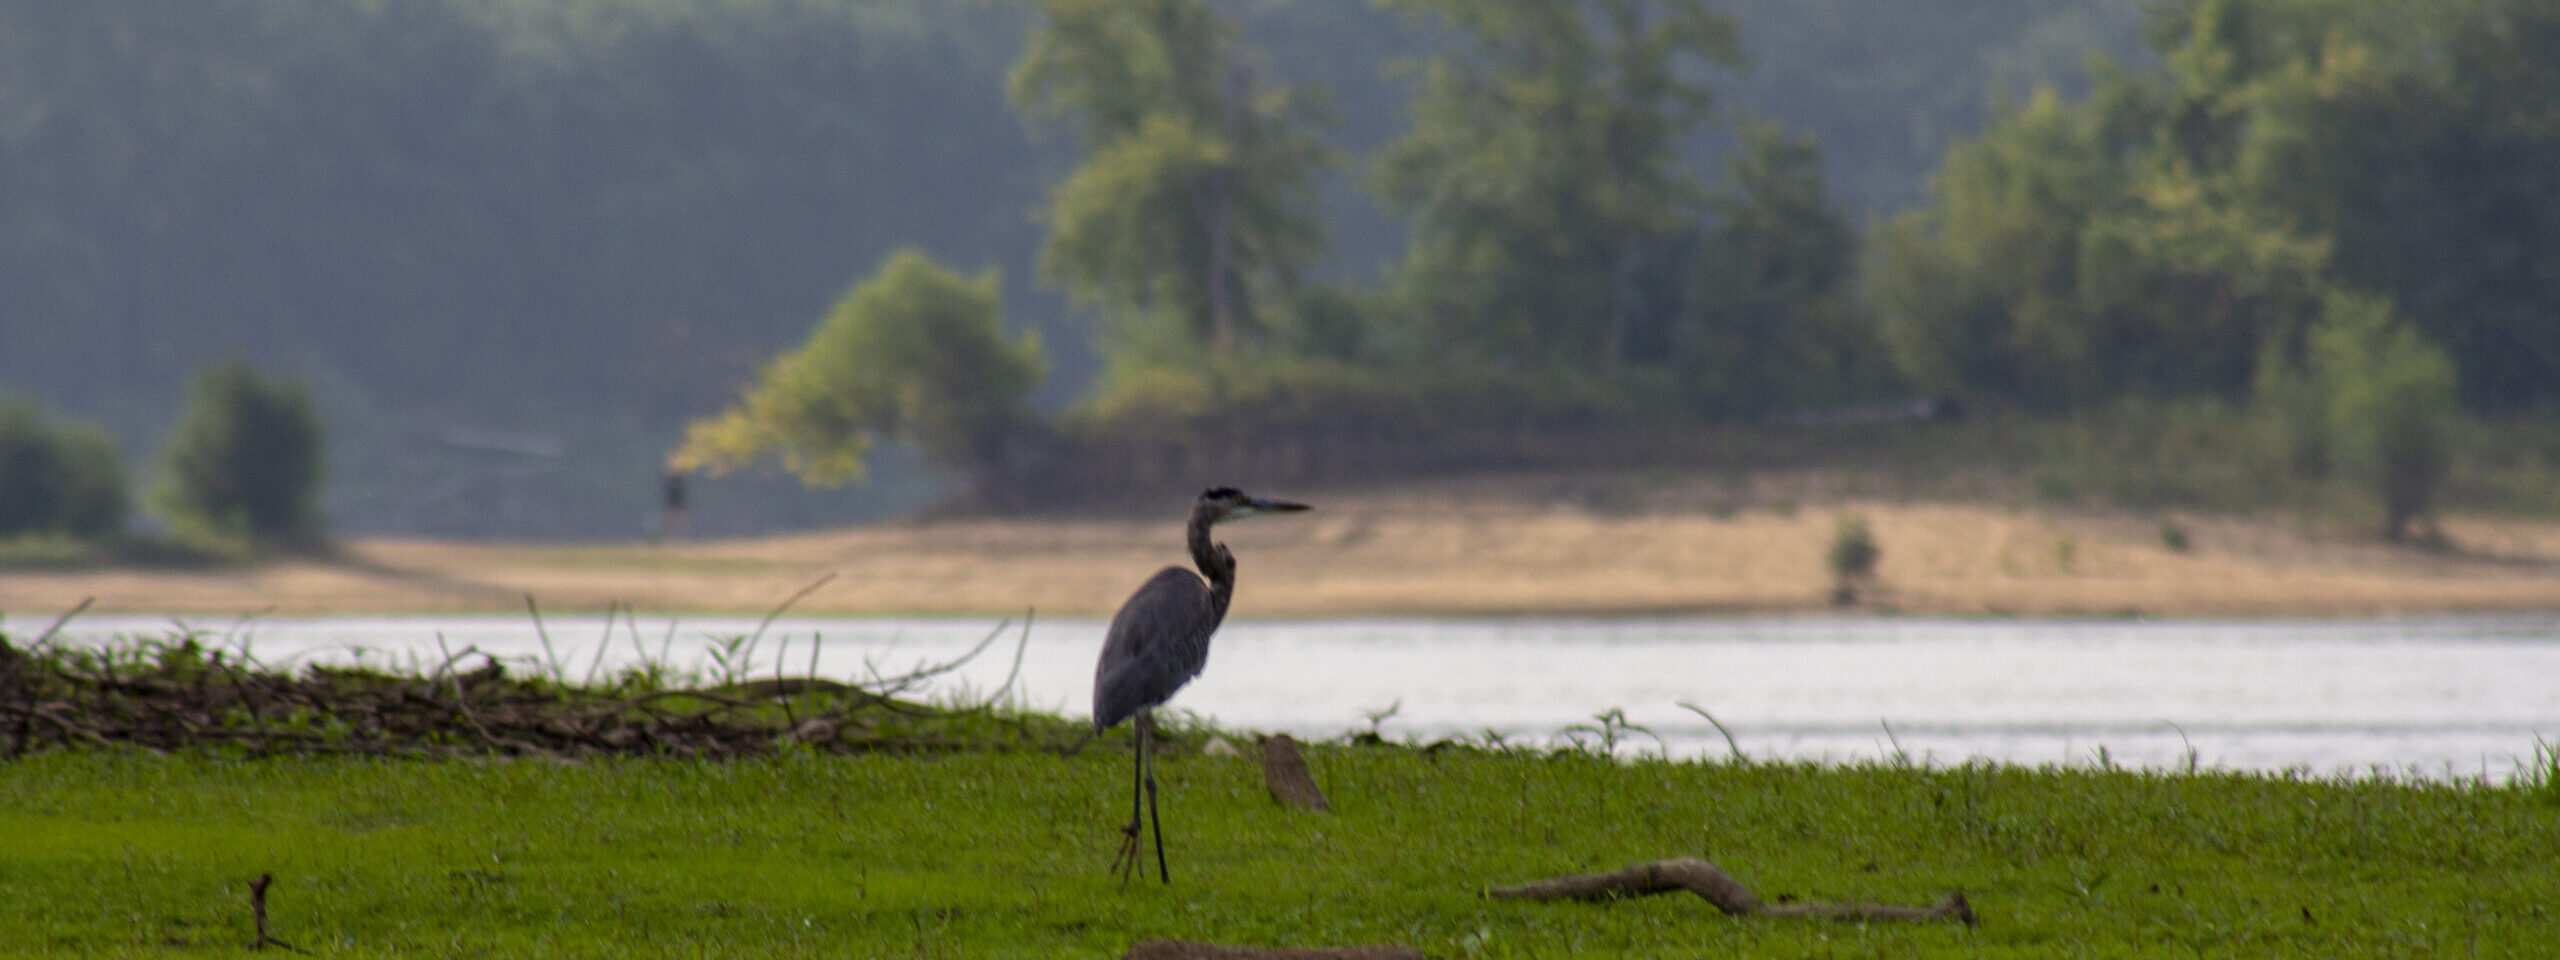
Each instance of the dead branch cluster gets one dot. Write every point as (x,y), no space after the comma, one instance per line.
(179,693)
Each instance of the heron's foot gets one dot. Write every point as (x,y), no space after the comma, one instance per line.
(1125,862)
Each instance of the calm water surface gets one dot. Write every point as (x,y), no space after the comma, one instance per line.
(2452,696)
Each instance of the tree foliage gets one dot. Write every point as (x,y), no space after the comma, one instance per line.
(2161,235)
(1188,222)
(590,219)
(915,353)
(58,478)
(579,220)
(1543,172)
(2062,269)
(2390,402)
(1769,319)
(244,459)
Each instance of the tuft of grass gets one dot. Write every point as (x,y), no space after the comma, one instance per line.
(120,853)
(2543,777)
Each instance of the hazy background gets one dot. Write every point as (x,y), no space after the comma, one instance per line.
(514,245)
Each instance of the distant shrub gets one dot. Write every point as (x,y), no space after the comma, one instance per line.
(2173,536)
(1853,558)
(64,479)
(244,461)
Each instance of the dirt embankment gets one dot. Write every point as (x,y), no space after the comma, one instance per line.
(1520,545)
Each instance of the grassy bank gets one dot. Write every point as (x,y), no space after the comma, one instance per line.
(115,852)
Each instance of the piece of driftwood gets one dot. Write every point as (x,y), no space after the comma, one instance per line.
(1722,890)
(1284,770)
(1187,950)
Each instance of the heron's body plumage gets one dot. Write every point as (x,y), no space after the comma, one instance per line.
(1158,641)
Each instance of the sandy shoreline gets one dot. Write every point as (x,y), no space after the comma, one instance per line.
(1453,549)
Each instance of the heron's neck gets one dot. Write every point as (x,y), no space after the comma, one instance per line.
(1215,562)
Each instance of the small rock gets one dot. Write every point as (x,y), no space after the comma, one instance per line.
(1219,747)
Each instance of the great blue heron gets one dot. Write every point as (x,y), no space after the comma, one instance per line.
(1159,641)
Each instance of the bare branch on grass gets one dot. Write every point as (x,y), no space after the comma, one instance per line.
(1721,890)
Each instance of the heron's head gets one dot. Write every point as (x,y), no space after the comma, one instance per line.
(1228,503)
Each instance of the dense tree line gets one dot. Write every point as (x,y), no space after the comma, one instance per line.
(546,233)
(2178,230)
(1562,244)
(241,473)
(511,245)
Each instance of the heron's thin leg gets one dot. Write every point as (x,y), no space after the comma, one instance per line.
(1161,871)
(1126,861)
(1138,782)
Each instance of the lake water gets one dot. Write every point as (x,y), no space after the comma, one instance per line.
(2433,697)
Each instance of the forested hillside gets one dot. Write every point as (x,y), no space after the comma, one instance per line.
(512,244)
(516,244)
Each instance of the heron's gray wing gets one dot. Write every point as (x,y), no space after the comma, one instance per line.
(1158,641)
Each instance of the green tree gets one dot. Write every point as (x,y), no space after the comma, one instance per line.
(2425,146)
(58,478)
(2063,267)
(244,460)
(1542,173)
(2391,397)
(1187,222)
(916,353)
(2162,235)
(1771,317)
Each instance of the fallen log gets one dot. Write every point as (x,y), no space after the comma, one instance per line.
(1721,889)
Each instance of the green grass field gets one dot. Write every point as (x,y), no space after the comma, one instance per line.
(975,854)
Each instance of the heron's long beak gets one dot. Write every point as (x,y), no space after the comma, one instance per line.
(1257,506)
